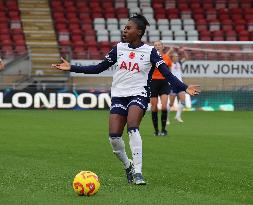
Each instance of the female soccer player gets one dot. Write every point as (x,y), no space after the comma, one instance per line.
(135,64)
(160,87)
(176,71)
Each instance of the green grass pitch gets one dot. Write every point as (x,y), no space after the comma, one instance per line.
(206,160)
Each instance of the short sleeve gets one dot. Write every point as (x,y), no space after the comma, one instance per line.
(155,58)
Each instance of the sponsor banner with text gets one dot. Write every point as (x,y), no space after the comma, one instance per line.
(32,98)
(54,99)
(218,69)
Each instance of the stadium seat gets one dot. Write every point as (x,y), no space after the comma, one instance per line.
(179,35)
(163,26)
(233,4)
(90,38)
(153,35)
(61,27)
(166,35)
(230,35)
(223,14)
(134,10)
(99,23)
(218,35)
(250,25)
(175,24)
(192,35)
(147,11)
(220,4)
(205,35)
(20,49)
(227,25)
(112,22)
(122,12)
(240,25)
(152,22)
(162,22)
(102,35)
(246,4)
(186,13)
(172,13)
(214,25)
(243,36)
(169,4)
(111,27)
(188,26)
(201,24)
(115,35)
(120,4)
(211,14)
(105,45)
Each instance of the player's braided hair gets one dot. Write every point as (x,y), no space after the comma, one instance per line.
(141,22)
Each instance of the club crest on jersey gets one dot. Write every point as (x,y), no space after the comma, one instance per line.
(141,57)
(130,66)
(132,55)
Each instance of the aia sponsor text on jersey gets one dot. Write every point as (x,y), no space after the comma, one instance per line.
(130,66)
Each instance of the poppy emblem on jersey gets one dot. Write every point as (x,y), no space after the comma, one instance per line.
(132,55)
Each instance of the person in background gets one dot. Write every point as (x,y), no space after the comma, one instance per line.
(179,56)
(161,88)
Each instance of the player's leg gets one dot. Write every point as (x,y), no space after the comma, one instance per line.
(116,127)
(117,122)
(164,92)
(136,110)
(164,102)
(172,99)
(181,106)
(154,110)
(154,102)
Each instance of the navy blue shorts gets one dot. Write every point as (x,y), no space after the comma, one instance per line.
(175,91)
(120,105)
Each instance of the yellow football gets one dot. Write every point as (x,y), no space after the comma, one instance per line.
(86,183)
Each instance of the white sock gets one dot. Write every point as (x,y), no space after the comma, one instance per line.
(180,109)
(168,117)
(118,147)
(135,143)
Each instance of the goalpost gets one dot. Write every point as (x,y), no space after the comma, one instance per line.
(224,69)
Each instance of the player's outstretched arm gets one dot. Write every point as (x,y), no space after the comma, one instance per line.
(65,65)
(193,90)
(90,69)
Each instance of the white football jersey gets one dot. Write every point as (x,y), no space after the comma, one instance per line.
(132,71)
(176,70)
(134,68)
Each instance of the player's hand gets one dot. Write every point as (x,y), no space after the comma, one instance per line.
(65,65)
(1,64)
(193,90)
